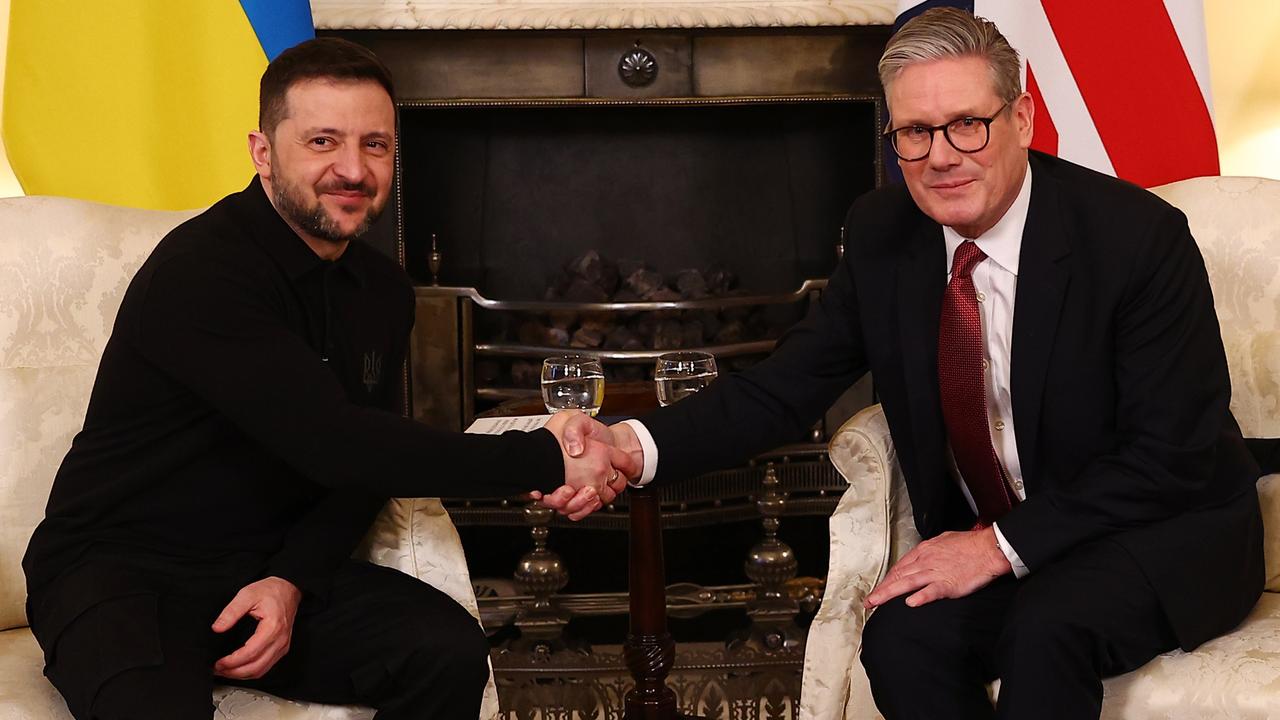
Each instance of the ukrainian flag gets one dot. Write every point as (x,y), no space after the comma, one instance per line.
(143,103)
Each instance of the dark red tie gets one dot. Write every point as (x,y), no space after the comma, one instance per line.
(962,381)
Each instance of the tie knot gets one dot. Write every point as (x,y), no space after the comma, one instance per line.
(967,255)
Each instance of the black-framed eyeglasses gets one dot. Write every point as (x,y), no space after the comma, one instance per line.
(966,134)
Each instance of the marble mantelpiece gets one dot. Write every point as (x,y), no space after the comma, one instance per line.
(595,15)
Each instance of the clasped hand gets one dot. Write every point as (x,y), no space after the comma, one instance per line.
(598,461)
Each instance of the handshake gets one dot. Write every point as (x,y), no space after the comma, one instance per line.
(599,459)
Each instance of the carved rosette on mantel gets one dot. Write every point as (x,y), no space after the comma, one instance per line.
(594,14)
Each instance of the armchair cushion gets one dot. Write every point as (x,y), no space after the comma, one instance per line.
(1233,676)
(64,266)
(1269,500)
(1237,227)
(24,693)
(1254,359)
(870,529)
(416,537)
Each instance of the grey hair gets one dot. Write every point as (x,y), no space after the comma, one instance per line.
(945,32)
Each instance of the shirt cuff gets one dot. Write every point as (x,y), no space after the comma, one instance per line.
(1020,569)
(650,450)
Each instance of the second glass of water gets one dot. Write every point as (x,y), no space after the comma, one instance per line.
(678,375)
(572,382)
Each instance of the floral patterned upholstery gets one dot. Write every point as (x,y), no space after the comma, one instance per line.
(64,266)
(1236,222)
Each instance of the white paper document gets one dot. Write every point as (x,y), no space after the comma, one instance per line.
(499,425)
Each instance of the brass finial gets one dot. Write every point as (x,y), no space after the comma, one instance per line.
(433,261)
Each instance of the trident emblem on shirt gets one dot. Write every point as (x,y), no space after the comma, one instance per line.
(372,370)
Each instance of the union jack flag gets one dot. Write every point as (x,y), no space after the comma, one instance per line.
(1120,87)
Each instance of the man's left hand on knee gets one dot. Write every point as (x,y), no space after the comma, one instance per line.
(273,602)
(951,565)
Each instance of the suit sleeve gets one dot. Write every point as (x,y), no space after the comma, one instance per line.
(1172,395)
(775,401)
(221,335)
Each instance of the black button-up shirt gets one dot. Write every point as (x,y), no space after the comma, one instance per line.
(248,408)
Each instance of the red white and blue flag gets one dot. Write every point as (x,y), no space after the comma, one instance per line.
(1120,87)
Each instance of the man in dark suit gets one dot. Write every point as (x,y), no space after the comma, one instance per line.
(1046,351)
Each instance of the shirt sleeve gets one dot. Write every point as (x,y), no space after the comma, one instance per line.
(323,539)
(220,333)
(1020,569)
(648,448)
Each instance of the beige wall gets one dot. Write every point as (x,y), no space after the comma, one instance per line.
(1244,60)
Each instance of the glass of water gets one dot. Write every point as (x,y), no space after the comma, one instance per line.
(572,382)
(678,375)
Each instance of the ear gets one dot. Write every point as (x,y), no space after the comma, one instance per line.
(260,153)
(1024,113)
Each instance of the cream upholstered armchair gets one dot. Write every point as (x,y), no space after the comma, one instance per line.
(1236,222)
(64,267)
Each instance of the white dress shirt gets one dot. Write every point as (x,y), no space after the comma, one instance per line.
(995,280)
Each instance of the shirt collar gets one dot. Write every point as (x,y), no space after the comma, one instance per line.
(280,241)
(1003,242)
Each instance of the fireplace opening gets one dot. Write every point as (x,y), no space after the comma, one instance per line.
(625,227)
(512,191)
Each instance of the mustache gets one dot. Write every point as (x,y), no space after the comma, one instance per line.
(364,188)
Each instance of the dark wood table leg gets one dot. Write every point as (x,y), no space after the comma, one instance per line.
(649,650)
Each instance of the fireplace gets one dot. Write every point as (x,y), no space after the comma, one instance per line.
(722,137)
(521,151)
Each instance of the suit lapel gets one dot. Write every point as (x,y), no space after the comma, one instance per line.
(1043,277)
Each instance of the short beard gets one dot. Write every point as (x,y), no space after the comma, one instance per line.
(313,219)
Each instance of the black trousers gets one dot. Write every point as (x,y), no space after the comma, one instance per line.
(1050,638)
(381,638)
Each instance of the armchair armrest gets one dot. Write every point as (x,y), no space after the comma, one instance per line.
(871,528)
(417,537)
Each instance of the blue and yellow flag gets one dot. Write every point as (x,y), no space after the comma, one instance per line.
(144,103)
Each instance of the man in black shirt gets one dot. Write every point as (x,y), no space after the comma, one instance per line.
(245,429)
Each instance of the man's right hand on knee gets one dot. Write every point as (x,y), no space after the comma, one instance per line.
(273,602)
